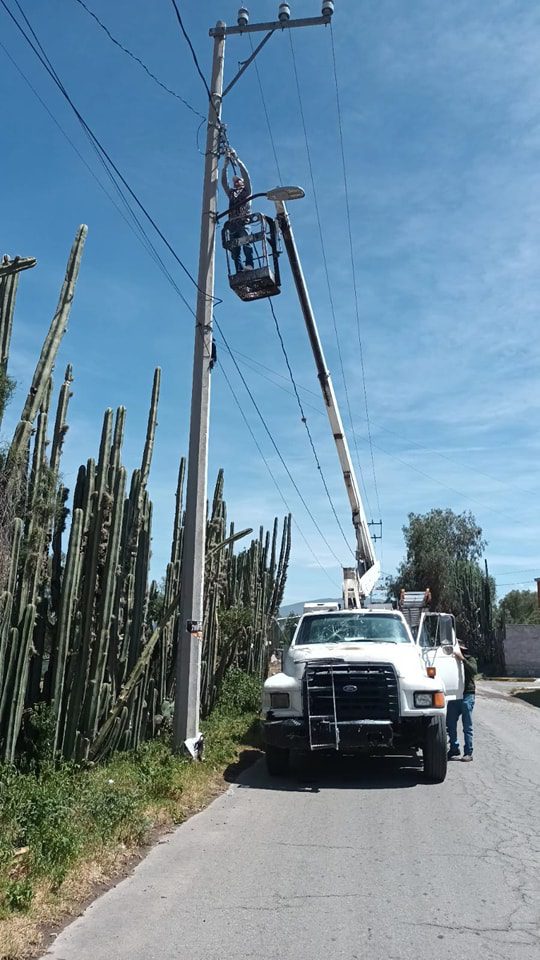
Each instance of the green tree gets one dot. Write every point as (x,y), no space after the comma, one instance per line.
(7,386)
(520,606)
(435,542)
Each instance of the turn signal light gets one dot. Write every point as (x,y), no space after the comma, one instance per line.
(431,672)
(439,699)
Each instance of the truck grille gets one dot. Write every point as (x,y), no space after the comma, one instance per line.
(363,691)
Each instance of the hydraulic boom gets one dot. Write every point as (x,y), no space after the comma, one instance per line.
(359,582)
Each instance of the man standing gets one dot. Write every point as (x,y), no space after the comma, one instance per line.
(463,708)
(239,209)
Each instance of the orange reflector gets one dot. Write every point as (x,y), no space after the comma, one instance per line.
(432,672)
(438,699)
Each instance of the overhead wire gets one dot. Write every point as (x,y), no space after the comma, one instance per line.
(138,60)
(326,271)
(192,49)
(134,224)
(272,475)
(46,63)
(353,266)
(65,134)
(247,360)
(266,114)
(274,444)
(306,425)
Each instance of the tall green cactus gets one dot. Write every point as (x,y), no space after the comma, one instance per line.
(78,626)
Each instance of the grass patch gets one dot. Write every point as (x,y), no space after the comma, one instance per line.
(530,696)
(66,828)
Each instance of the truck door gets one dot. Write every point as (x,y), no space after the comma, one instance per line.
(437,641)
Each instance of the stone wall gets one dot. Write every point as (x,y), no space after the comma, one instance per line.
(522,649)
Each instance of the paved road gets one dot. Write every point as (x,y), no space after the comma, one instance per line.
(365,862)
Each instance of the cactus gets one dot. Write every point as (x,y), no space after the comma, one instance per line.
(47,357)
(78,626)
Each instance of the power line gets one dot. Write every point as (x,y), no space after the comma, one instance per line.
(265,108)
(191,47)
(516,583)
(138,60)
(135,224)
(325,263)
(135,227)
(353,266)
(306,425)
(274,444)
(45,61)
(272,475)
(251,360)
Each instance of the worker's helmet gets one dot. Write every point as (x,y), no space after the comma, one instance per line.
(238,181)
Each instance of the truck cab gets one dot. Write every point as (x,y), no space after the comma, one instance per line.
(358,682)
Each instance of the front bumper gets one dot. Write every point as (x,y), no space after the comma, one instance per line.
(354,736)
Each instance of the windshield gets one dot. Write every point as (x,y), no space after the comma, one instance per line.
(335,628)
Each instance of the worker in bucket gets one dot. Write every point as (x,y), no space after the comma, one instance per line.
(462,708)
(239,209)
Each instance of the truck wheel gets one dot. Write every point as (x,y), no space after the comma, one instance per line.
(435,750)
(277,760)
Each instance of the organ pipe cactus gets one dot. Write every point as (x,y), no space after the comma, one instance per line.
(79,627)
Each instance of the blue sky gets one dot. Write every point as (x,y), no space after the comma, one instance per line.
(441,127)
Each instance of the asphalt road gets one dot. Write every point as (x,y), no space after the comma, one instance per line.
(366,861)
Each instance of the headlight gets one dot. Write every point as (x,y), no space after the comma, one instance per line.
(423,699)
(429,699)
(279,701)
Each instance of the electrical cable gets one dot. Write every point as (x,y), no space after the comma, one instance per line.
(45,61)
(246,360)
(265,108)
(273,442)
(137,59)
(190,45)
(140,234)
(306,425)
(42,56)
(327,275)
(353,266)
(272,475)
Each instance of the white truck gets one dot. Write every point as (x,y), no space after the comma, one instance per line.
(359,679)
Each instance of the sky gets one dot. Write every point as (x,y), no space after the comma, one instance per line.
(439,204)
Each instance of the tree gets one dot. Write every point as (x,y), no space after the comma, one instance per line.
(435,543)
(520,606)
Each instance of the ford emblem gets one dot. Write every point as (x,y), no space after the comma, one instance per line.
(350,688)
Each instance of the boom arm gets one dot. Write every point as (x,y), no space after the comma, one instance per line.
(360,582)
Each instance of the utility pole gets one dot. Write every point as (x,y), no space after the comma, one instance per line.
(188,662)
(186,718)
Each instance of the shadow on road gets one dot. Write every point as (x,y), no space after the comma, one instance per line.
(341,773)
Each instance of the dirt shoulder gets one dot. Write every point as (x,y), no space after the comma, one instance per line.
(136,801)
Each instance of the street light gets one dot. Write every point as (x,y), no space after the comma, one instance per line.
(281,194)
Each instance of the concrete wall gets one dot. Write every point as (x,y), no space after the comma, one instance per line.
(522,649)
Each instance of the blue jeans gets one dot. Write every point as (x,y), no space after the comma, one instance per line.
(238,231)
(464,709)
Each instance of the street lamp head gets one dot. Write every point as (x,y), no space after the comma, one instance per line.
(243,17)
(285,193)
(327,8)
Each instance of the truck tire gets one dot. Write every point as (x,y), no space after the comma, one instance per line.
(277,760)
(435,750)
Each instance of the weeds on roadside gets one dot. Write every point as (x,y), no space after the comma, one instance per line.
(53,816)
